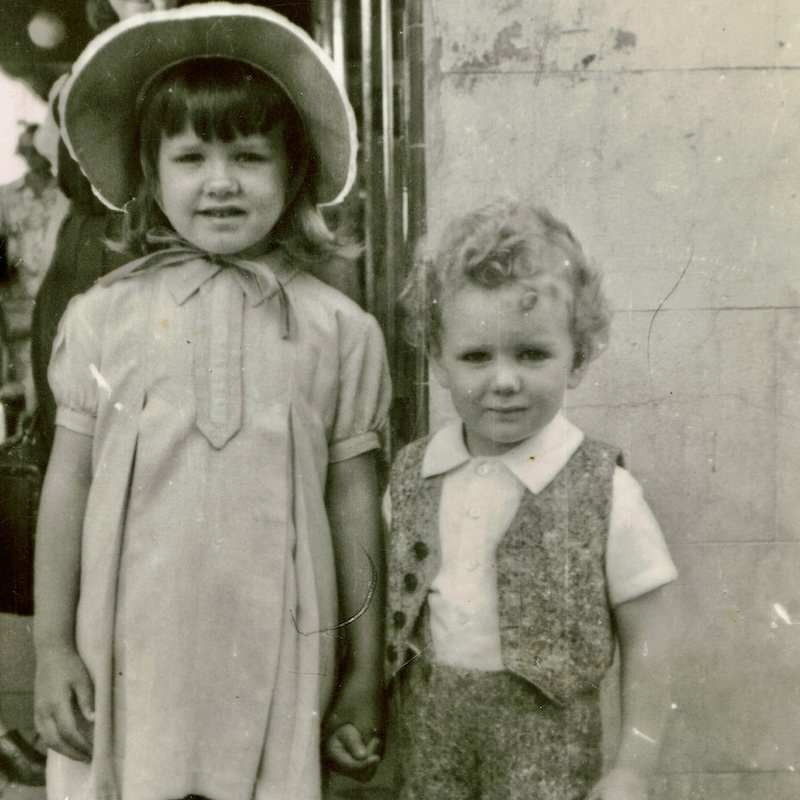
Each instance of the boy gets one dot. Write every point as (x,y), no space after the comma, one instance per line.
(520,551)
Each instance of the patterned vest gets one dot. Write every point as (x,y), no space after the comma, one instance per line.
(555,620)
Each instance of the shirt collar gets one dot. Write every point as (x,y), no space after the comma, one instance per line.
(535,462)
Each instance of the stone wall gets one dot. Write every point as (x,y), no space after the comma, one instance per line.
(666,134)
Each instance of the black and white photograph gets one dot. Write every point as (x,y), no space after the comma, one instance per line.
(399,400)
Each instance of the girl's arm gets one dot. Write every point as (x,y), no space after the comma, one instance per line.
(643,629)
(355,720)
(64,695)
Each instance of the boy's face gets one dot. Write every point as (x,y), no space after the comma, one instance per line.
(224,197)
(507,357)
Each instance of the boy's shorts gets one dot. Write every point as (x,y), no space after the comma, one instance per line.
(472,735)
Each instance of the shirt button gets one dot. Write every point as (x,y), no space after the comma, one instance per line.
(484,469)
(474,513)
(472,565)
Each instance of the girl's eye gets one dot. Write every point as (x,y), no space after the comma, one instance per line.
(188,158)
(250,157)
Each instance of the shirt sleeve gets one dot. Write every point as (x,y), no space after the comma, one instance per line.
(74,376)
(364,394)
(637,558)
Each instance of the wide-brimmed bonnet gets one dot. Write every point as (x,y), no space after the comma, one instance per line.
(99,100)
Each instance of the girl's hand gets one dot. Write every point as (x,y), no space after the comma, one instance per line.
(64,703)
(619,784)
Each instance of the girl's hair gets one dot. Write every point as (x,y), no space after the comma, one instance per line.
(505,243)
(220,99)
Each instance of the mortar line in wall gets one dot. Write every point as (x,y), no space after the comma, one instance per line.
(736,543)
(683,309)
(751,772)
(776,411)
(617,72)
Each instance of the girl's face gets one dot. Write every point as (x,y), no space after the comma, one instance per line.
(129,8)
(507,357)
(224,197)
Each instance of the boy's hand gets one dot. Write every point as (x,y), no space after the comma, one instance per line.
(619,784)
(64,703)
(352,729)
(347,753)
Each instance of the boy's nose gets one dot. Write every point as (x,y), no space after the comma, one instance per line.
(506,379)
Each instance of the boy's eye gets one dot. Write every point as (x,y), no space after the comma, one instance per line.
(534,354)
(475,356)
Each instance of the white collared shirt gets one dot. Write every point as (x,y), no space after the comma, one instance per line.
(480,497)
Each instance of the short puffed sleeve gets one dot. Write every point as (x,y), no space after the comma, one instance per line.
(73,373)
(364,391)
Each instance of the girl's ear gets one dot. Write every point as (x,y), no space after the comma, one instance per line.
(156,192)
(437,367)
(150,180)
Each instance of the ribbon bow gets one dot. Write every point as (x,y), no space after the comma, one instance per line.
(174,251)
(218,373)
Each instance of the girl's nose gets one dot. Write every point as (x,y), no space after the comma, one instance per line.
(221,182)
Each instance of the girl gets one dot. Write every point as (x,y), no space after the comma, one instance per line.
(209,519)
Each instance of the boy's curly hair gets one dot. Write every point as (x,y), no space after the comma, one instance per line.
(504,243)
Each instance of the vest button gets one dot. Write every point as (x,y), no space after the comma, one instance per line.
(410,582)
(391,653)
(420,550)
(399,619)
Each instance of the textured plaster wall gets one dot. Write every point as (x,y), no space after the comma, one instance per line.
(666,134)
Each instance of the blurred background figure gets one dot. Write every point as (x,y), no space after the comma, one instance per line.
(29,208)
(81,254)
(20,762)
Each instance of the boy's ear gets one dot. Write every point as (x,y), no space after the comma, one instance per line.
(437,368)
(578,371)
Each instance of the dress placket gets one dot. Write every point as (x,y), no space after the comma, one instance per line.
(218,361)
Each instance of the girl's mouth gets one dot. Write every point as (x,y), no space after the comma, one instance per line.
(223,212)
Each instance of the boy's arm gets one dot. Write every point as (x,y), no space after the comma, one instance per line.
(64,695)
(643,629)
(355,720)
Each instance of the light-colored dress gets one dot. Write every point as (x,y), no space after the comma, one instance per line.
(207,565)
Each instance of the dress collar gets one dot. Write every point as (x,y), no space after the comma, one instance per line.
(183,283)
(535,462)
(259,279)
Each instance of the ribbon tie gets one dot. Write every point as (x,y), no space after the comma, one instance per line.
(175,251)
(218,352)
